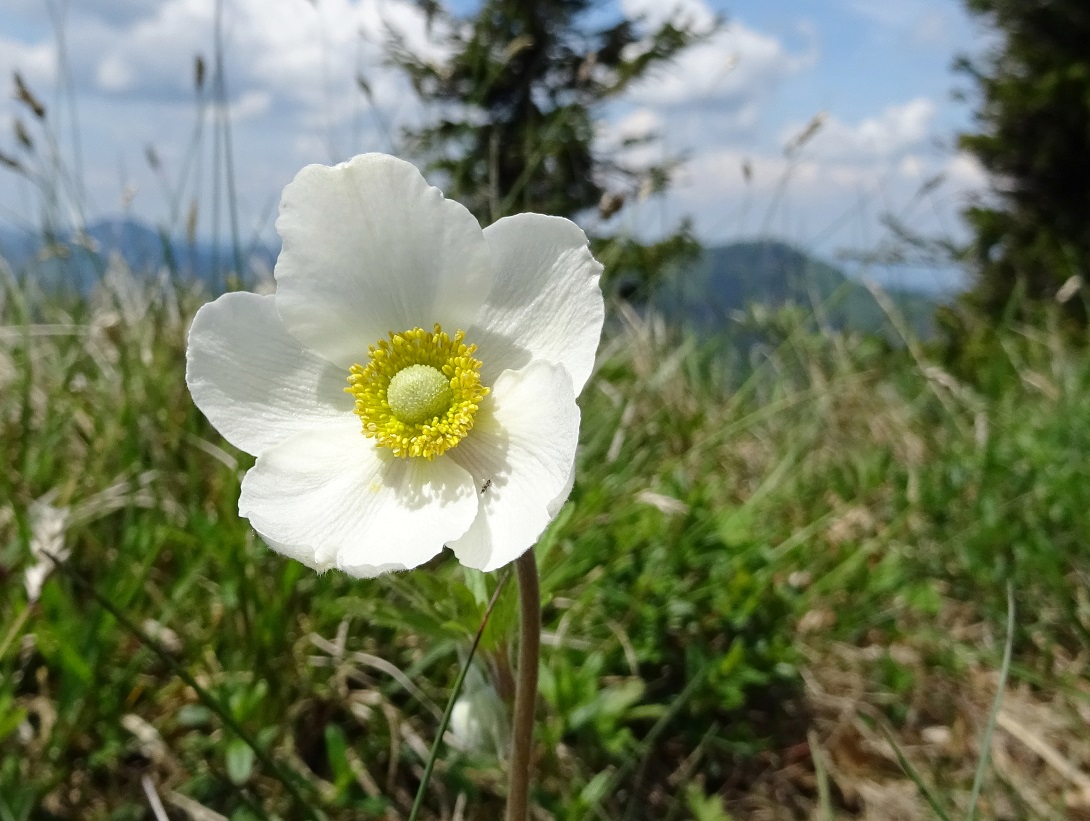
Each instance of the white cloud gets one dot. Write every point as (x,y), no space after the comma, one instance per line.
(115,12)
(830,193)
(738,68)
(301,53)
(925,22)
(932,28)
(641,123)
(35,61)
(251,105)
(36,64)
(911,166)
(887,137)
(720,91)
(656,12)
(114,74)
(636,124)
(966,172)
(291,69)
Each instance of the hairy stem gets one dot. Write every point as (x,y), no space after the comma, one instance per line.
(518,796)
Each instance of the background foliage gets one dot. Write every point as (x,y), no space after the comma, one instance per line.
(515,108)
(766,546)
(1034,139)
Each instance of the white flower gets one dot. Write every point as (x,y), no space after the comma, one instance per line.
(411,384)
(479,722)
(48,527)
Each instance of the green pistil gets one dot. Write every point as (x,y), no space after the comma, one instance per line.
(418,393)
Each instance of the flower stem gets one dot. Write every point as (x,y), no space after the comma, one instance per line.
(518,795)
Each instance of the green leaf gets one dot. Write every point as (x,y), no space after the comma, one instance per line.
(478,586)
(240,761)
(194,715)
(704,807)
(336,747)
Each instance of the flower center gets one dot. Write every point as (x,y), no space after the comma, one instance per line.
(419,392)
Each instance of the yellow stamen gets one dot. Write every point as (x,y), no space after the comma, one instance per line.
(419,392)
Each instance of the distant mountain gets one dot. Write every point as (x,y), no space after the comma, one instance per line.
(17,246)
(723,281)
(729,278)
(78,259)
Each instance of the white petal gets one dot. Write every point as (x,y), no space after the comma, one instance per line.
(331,498)
(253,380)
(557,503)
(368,248)
(301,553)
(520,452)
(545,302)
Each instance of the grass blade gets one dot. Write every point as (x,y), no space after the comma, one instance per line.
(821,774)
(910,771)
(986,741)
(445,720)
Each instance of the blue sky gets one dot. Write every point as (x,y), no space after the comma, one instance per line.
(877,72)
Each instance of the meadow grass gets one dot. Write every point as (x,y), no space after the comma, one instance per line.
(772,563)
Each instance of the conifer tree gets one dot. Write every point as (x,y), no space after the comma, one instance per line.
(1034,139)
(515,107)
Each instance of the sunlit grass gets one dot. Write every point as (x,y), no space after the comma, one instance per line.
(767,557)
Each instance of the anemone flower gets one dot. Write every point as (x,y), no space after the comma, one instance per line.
(412,381)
